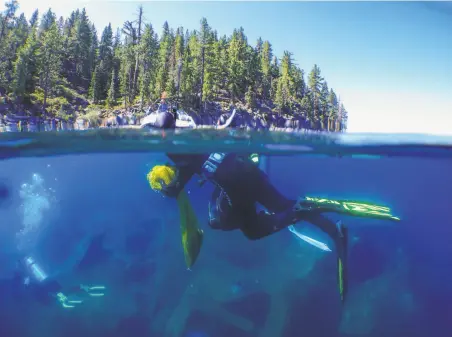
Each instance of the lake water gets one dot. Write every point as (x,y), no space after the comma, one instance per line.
(80,204)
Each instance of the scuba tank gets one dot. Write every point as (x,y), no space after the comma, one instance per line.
(211,164)
(34,271)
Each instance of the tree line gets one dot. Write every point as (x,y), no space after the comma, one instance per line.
(52,62)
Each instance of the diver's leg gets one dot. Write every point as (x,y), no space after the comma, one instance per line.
(265,193)
(266,223)
(252,185)
(247,184)
(257,226)
(334,230)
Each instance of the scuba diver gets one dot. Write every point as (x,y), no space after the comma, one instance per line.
(30,276)
(239,185)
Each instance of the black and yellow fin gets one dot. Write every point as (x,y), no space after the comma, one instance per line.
(341,278)
(192,235)
(342,265)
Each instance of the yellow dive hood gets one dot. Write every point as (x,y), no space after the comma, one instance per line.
(161,175)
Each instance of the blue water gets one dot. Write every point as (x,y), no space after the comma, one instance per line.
(92,219)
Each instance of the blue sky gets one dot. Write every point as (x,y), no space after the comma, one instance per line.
(390,62)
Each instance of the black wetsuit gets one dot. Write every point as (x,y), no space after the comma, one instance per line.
(240,184)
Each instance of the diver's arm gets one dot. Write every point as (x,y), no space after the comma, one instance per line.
(186,165)
(184,174)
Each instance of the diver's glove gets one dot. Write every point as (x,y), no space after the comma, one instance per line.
(171,190)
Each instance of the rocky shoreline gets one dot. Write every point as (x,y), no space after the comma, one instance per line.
(263,118)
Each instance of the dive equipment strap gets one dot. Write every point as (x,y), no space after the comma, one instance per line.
(210,166)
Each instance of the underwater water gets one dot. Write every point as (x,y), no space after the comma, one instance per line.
(88,216)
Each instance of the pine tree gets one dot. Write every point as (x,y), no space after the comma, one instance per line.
(96,87)
(190,75)
(237,66)
(25,68)
(195,66)
(253,74)
(147,51)
(307,106)
(137,55)
(34,18)
(344,118)
(274,78)
(79,45)
(93,56)
(132,36)
(112,91)
(315,85)
(48,19)
(266,55)
(106,45)
(299,84)
(106,62)
(170,86)
(18,34)
(125,72)
(6,61)
(7,17)
(163,61)
(61,25)
(324,108)
(333,109)
(222,59)
(178,55)
(206,43)
(49,60)
(15,32)
(285,91)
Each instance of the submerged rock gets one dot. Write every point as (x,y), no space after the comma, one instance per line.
(384,295)
(367,261)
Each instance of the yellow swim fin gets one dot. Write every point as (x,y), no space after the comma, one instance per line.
(342,265)
(192,235)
